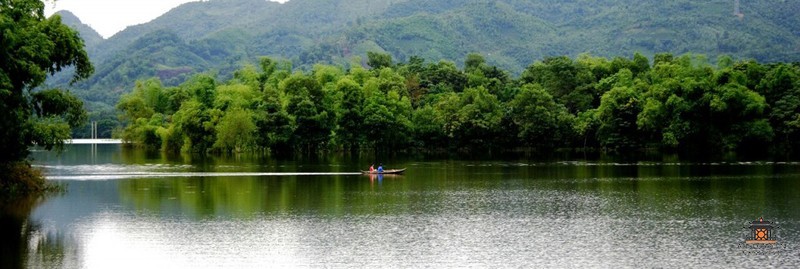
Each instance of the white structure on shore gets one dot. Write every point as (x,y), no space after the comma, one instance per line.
(736,11)
(93,141)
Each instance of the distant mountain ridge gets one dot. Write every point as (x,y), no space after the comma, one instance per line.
(218,36)
(90,37)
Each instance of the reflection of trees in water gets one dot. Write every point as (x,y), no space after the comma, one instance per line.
(25,244)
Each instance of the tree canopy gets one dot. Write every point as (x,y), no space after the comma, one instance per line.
(31,48)
(676,103)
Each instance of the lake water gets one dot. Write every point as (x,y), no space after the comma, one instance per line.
(130,209)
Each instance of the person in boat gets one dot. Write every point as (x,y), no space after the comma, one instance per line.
(380,168)
(372,168)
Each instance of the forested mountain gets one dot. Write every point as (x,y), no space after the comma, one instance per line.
(90,37)
(220,36)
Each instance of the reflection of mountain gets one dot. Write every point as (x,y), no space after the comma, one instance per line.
(218,36)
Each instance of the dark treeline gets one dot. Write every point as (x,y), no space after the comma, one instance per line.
(671,103)
(31,48)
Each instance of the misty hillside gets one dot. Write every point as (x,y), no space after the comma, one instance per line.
(90,37)
(218,36)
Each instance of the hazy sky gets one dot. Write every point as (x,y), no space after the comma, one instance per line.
(108,17)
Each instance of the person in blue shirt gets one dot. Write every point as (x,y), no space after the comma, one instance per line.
(380,168)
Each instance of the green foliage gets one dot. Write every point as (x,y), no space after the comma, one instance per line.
(274,125)
(685,106)
(781,88)
(144,110)
(49,132)
(478,117)
(59,104)
(542,122)
(236,96)
(350,115)
(235,131)
(379,60)
(32,47)
(194,122)
(678,103)
(617,115)
(22,180)
(222,36)
(428,128)
(387,119)
(442,77)
(313,117)
(568,81)
(474,62)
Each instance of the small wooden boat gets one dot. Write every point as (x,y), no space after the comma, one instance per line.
(386,171)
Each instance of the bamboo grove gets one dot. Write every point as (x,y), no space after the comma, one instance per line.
(671,103)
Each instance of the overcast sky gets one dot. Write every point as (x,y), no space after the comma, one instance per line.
(108,17)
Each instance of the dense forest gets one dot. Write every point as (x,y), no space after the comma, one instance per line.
(31,47)
(220,36)
(667,103)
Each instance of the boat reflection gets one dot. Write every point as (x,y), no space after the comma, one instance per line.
(379,177)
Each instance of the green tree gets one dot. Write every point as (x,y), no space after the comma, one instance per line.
(235,131)
(144,110)
(443,77)
(738,118)
(349,116)
(617,114)
(31,47)
(585,127)
(480,74)
(542,122)
(471,118)
(379,60)
(56,112)
(202,88)
(274,125)
(640,64)
(479,117)
(781,87)
(194,122)
(428,129)
(662,58)
(313,118)
(691,106)
(387,119)
(677,103)
(248,75)
(474,62)
(61,104)
(569,82)
(235,96)
(327,74)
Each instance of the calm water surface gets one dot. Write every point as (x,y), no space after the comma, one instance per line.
(129,209)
